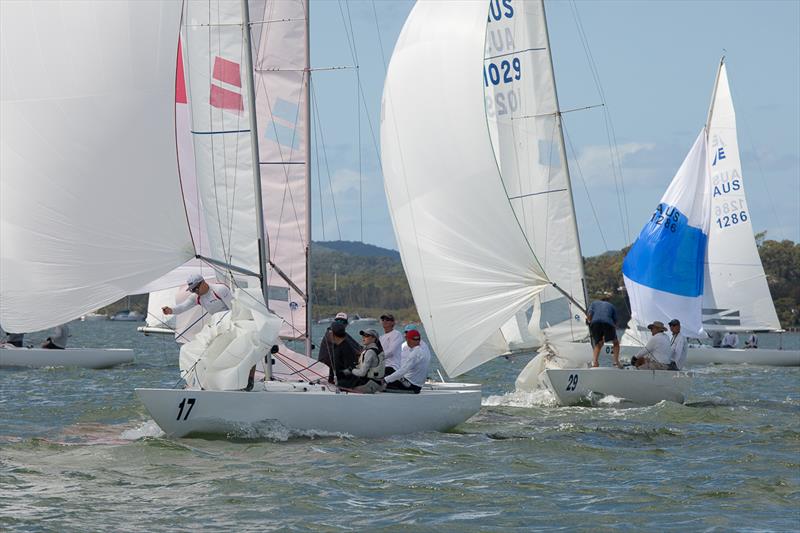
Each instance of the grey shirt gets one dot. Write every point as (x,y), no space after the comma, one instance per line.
(602,311)
(59,336)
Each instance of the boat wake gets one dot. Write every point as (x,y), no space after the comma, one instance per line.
(146,429)
(272,430)
(518,398)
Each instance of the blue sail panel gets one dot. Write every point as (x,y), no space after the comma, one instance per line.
(668,255)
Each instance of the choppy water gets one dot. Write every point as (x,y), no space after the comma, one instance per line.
(79,453)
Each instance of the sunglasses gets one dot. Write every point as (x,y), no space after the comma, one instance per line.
(195,289)
(387,319)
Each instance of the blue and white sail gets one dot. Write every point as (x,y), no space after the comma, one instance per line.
(664,269)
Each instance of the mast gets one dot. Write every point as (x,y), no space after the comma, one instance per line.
(307,96)
(563,154)
(714,96)
(263,243)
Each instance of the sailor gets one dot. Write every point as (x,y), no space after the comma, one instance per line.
(391,341)
(344,357)
(326,344)
(371,364)
(58,340)
(657,352)
(731,340)
(413,371)
(602,320)
(15,339)
(752,341)
(213,297)
(679,346)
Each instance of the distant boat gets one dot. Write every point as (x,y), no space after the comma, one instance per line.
(94,317)
(735,294)
(71,357)
(127,315)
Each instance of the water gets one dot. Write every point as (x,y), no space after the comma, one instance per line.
(79,453)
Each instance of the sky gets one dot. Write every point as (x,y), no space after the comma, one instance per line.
(656,61)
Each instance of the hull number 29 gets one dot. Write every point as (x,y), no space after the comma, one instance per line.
(188,403)
(571,384)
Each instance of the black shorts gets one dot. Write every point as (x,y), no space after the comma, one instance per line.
(602,332)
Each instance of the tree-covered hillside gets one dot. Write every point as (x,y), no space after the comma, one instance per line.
(368,280)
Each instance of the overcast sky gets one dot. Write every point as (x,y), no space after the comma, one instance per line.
(656,60)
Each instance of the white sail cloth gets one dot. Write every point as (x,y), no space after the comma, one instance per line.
(86,135)
(664,269)
(522,113)
(467,259)
(736,296)
(221,356)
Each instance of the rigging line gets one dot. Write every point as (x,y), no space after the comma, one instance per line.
(351,36)
(319,180)
(583,182)
(314,99)
(610,132)
(378,32)
(213,157)
(513,52)
(764,183)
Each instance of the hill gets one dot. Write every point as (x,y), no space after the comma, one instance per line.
(369,280)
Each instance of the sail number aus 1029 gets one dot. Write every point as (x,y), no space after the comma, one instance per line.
(187,403)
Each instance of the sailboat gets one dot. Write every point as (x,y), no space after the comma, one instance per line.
(735,296)
(113,139)
(469,169)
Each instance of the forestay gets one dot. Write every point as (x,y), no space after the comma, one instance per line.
(87,136)
(468,261)
(737,296)
(524,124)
(663,271)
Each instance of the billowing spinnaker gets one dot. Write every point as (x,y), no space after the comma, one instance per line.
(522,111)
(87,134)
(466,257)
(664,268)
(736,293)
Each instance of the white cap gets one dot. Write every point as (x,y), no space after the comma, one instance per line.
(343,316)
(193,281)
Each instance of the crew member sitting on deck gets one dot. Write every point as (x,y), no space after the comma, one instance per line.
(370,369)
(657,352)
(344,358)
(414,363)
(58,340)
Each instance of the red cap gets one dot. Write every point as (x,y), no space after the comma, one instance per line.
(412,334)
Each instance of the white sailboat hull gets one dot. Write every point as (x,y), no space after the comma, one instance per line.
(642,387)
(706,355)
(308,409)
(77,357)
(736,356)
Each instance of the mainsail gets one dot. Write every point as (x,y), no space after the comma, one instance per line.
(663,271)
(737,296)
(469,261)
(525,128)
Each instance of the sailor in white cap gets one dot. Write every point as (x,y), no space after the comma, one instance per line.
(214,297)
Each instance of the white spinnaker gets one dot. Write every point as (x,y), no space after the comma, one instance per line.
(468,263)
(522,107)
(86,135)
(736,293)
(280,56)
